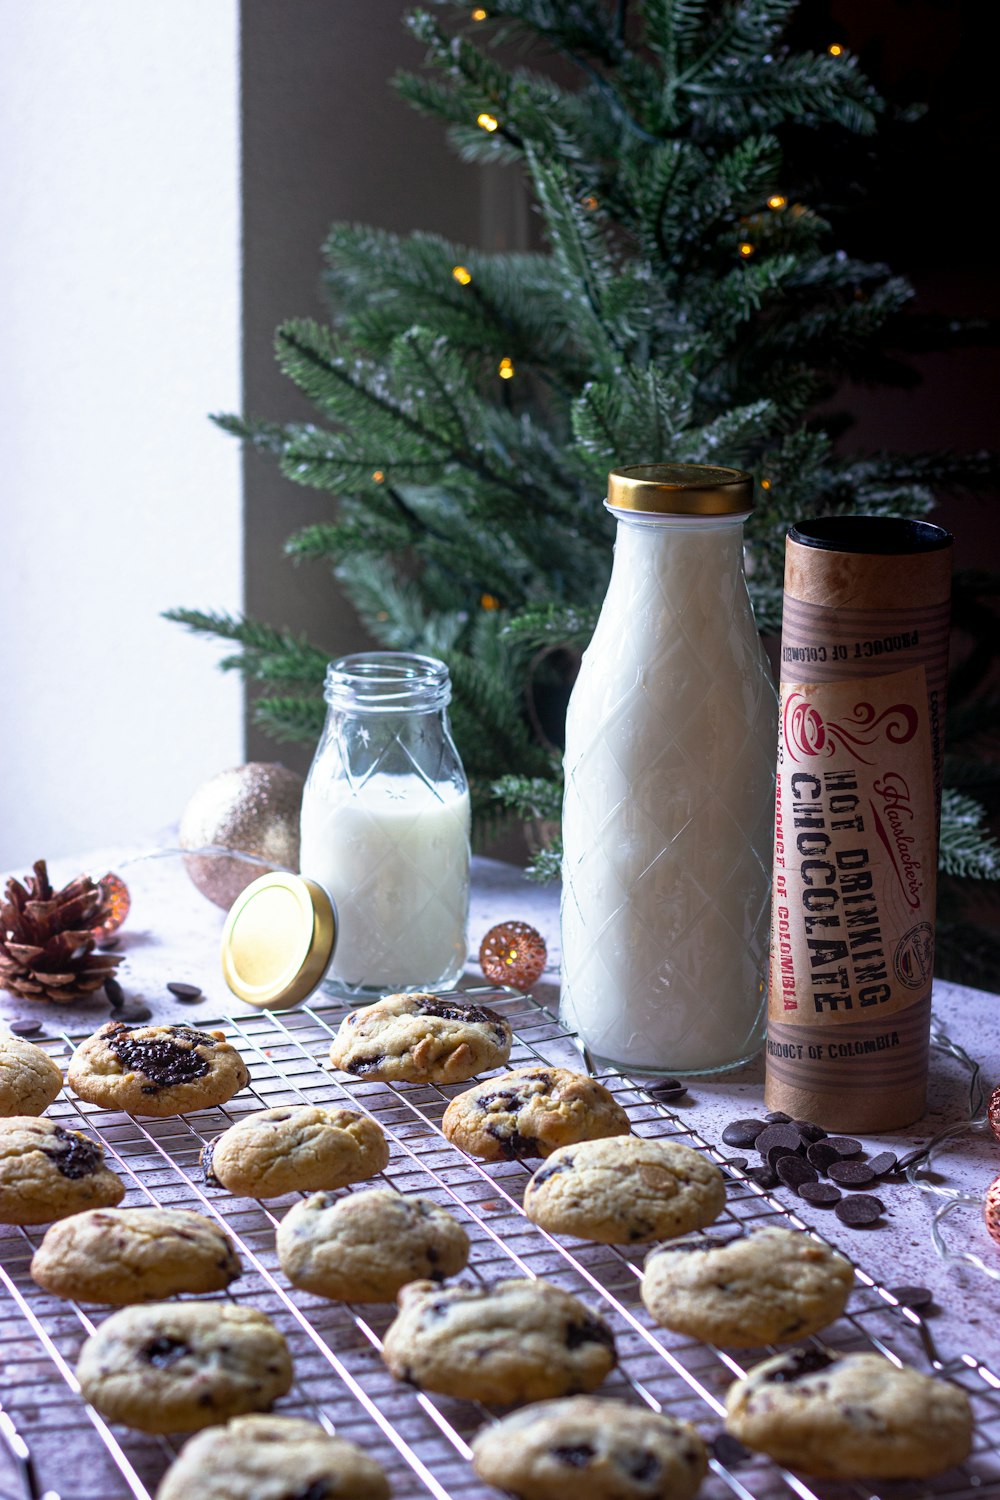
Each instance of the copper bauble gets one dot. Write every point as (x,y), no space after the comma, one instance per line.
(513,953)
(991,1209)
(253,808)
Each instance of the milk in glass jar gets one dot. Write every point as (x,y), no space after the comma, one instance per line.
(385,825)
(669,787)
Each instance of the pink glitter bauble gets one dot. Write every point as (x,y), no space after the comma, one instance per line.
(512,953)
(993,1111)
(991,1210)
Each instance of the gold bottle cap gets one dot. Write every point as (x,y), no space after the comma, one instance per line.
(681,490)
(278,940)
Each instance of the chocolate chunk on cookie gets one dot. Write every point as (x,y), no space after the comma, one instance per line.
(421,1038)
(156,1070)
(48,1172)
(531,1111)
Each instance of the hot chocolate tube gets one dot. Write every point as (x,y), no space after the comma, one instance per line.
(864,649)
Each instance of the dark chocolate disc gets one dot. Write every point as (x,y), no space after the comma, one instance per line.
(859,1209)
(822,1194)
(795,1170)
(851,1173)
(845,1145)
(742,1133)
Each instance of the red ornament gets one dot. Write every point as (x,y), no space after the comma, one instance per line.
(993,1111)
(991,1210)
(512,953)
(118,902)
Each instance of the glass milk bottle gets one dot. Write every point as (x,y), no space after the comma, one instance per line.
(669,787)
(385,825)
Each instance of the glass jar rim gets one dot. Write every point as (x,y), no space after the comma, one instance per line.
(386,681)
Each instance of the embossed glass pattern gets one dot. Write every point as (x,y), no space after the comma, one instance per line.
(669,806)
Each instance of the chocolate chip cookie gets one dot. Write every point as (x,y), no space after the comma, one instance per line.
(858,1416)
(29,1079)
(760,1288)
(625,1189)
(518,1340)
(363,1247)
(47,1172)
(421,1038)
(593,1450)
(272,1458)
(179,1366)
(126,1255)
(295,1148)
(156,1070)
(531,1111)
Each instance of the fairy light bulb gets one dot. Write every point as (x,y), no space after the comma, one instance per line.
(479,14)
(487,122)
(746,249)
(462,275)
(590,203)
(506,368)
(489,601)
(776,201)
(765,484)
(835,49)
(378,476)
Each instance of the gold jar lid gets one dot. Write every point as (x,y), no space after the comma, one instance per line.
(278,940)
(681,490)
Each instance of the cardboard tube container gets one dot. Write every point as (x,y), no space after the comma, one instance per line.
(864,649)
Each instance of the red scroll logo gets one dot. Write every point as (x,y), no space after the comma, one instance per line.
(808,734)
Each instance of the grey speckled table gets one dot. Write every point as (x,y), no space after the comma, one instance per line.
(173,934)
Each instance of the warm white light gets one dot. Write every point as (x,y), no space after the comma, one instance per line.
(462,275)
(487,122)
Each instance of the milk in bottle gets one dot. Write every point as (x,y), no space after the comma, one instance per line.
(669,787)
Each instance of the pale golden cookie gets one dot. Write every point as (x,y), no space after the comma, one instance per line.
(761,1288)
(531,1111)
(156,1070)
(47,1172)
(853,1417)
(591,1449)
(364,1246)
(295,1148)
(272,1458)
(421,1038)
(29,1079)
(126,1255)
(519,1340)
(179,1366)
(625,1189)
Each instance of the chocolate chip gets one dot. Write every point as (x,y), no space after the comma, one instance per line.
(883,1164)
(544,1173)
(135,1013)
(742,1132)
(763,1177)
(798,1363)
(795,1170)
(448,1010)
(778,1135)
(738,1163)
(777,1117)
(576,1455)
(844,1145)
(163,1352)
(25,1028)
(114,992)
(362,1065)
(779,1153)
(859,1209)
(207,1152)
(913,1296)
(640,1465)
(668,1088)
(728,1450)
(851,1173)
(810,1131)
(513,1144)
(75,1155)
(188,993)
(590,1331)
(162,1058)
(912,1157)
(822,1155)
(822,1194)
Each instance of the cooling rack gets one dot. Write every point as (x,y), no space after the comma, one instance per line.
(61,1449)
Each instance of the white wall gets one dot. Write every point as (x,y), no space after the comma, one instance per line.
(119,332)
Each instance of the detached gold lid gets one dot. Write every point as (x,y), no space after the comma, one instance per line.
(681,490)
(278,940)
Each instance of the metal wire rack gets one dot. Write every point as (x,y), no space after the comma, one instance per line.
(62,1449)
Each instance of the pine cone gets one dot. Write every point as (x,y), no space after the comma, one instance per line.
(47,949)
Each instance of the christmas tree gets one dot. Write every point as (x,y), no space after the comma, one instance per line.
(689,303)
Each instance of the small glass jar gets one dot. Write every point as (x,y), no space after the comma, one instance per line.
(385,826)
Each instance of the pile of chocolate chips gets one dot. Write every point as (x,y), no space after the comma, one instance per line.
(800,1155)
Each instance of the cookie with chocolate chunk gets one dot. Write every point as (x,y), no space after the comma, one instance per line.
(591,1449)
(518,1340)
(47,1172)
(625,1189)
(180,1366)
(272,1458)
(421,1038)
(761,1288)
(156,1070)
(29,1079)
(295,1148)
(126,1255)
(530,1112)
(363,1247)
(859,1416)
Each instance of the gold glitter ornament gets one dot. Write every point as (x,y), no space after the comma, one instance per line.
(512,953)
(253,808)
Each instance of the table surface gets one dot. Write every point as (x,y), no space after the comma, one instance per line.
(173,932)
